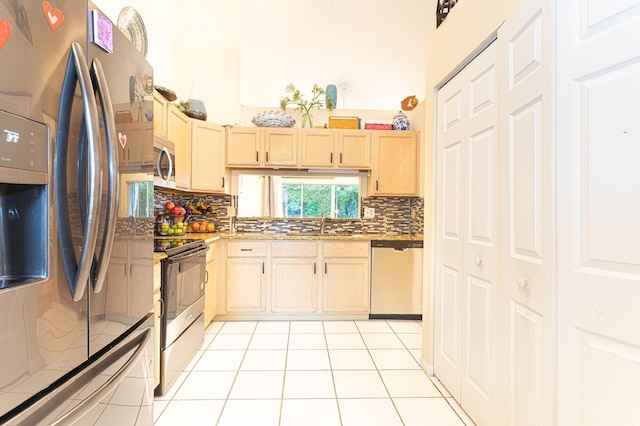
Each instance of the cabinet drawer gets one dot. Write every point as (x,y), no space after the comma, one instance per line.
(294,249)
(345,249)
(246,248)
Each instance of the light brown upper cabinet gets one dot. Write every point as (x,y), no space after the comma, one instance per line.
(335,149)
(178,132)
(208,169)
(160,106)
(256,147)
(395,164)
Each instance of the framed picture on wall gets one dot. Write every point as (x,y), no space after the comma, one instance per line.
(442,10)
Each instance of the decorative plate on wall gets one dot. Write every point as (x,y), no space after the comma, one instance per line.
(131,24)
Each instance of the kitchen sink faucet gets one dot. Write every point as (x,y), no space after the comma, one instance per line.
(323,222)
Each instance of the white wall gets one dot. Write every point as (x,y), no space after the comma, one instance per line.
(375,48)
(245,52)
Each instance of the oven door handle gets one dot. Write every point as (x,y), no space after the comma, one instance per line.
(113,176)
(187,255)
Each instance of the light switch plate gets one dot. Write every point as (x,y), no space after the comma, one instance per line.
(369,212)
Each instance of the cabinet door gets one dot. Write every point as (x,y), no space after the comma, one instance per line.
(159,114)
(317,148)
(209,290)
(354,149)
(294,285)
(345,285)
(207,166)
(178,133)
(246,285)
(281,147)
(117,303)
(243,147)
(140,278)
(395,164)
(157,315)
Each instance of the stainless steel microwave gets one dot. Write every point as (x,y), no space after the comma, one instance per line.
(165,155)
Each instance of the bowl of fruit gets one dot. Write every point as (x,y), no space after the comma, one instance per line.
(175,211)
(201,226)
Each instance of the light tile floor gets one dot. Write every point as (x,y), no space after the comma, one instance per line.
(307,373)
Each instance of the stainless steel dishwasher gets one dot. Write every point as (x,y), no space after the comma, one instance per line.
(396,279)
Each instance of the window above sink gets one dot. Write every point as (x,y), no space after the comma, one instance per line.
(298,195)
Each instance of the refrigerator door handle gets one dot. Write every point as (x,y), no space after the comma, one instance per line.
(77,272)
(40,412)
(113,176)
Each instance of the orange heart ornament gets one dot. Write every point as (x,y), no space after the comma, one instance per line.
(5,32)
(54,17)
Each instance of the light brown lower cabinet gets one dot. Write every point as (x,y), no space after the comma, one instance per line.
(246,277)
(210,284)
(295,277)
(345,279)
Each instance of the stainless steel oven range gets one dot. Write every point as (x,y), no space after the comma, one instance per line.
(182,291)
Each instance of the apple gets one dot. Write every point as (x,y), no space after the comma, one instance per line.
(176,211)
(183,211)
(169,205)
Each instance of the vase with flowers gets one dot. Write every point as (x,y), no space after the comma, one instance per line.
(295,97)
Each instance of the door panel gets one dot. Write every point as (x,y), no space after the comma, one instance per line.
(465,356)
(526,297)
(598,207)
(525,366)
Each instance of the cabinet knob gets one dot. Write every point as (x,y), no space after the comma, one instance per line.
(523,283)
(478,261)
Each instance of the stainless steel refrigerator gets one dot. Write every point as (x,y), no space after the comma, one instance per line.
(76,218)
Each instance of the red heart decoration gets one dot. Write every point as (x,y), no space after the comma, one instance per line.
(5,31)
(54,17)
(122,138)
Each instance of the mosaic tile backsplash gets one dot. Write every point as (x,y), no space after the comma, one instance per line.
(395,216)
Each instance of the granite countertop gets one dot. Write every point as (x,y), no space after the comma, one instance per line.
(290,236)
(212,237)
(158,256)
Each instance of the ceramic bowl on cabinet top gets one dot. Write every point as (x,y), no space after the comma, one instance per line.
(273,119)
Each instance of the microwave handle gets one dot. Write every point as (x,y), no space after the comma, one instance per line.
(164,152)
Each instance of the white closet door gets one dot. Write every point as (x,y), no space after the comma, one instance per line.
(466,253)
(527,250)
(449,254)
(599,212)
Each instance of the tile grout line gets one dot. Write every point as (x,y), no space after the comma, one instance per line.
(185,379)
(333,379)
(237,371)
(380,374)
(284,375)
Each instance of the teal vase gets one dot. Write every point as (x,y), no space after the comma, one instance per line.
(331,93)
